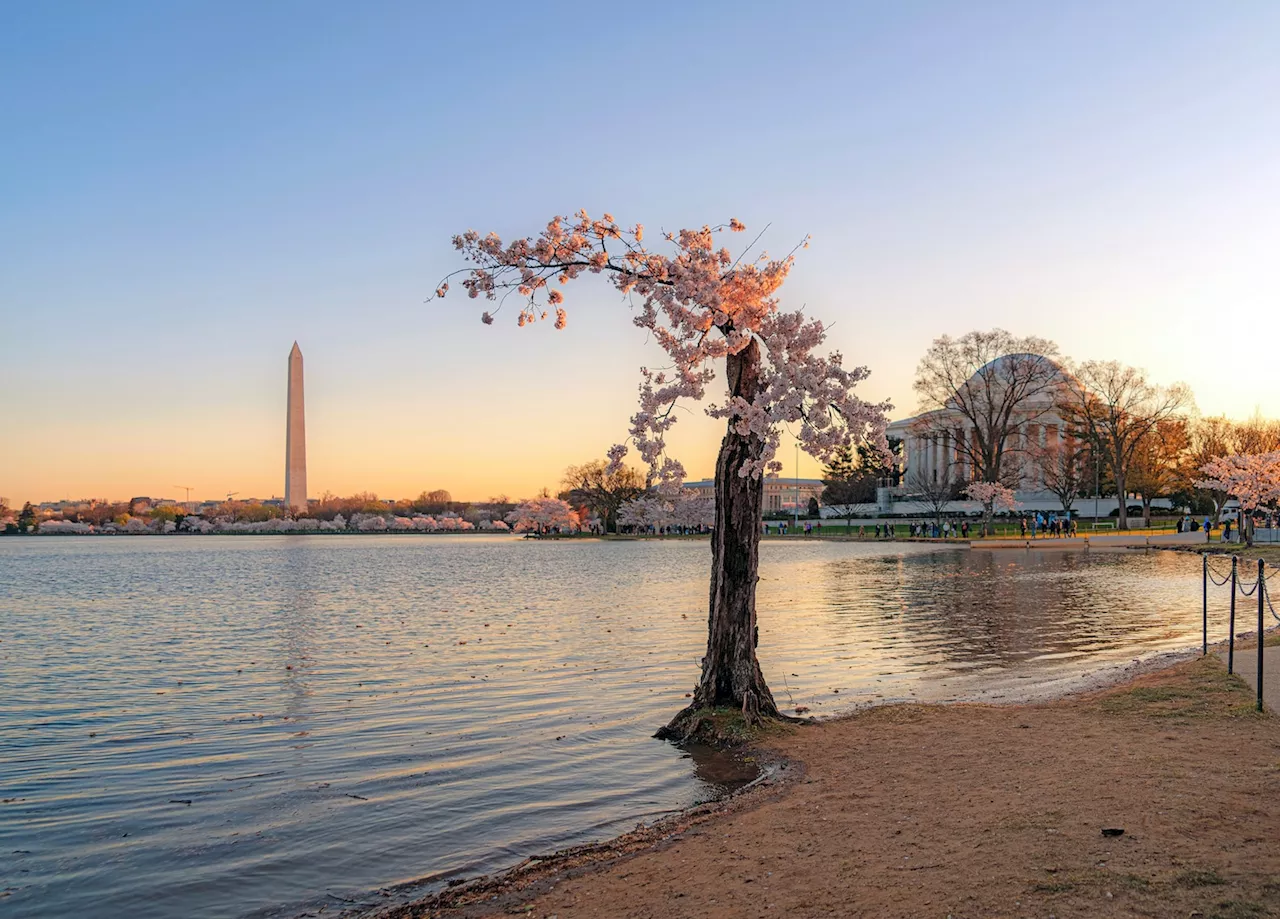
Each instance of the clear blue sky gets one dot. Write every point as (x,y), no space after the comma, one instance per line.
(185,188)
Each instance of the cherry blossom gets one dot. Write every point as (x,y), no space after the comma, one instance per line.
(542,513)
(700,304)
(1253,479)
(994,497)
(688,509)
(64,528)
(646,511)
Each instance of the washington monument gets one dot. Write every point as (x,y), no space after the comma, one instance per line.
(295,438)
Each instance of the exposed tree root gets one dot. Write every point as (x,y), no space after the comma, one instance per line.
(723,727)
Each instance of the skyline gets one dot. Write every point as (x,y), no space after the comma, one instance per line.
(183,202)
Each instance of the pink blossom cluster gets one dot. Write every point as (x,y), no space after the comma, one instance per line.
(66,527)
(1253,479)
(543,513)
(661,510)
(418,523)
(279,525)
(700,304)
(992,496)
(423,523)
(644,511)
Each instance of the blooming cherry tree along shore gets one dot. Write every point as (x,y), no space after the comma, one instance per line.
(993,497)
(1253,479)
(542,514)
(702,305)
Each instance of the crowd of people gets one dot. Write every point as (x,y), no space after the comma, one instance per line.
(1052,526)
(1035,526)
(649,529)
(916,529)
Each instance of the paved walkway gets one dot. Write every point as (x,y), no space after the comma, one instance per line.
(1247,666)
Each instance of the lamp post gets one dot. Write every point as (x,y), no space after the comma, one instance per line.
(1097,487)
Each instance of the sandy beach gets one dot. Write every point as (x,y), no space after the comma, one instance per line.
(1159,796)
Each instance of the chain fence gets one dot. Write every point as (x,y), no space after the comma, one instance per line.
(1260,586)
(1212,577)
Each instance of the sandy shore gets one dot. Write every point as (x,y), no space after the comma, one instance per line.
(962,810)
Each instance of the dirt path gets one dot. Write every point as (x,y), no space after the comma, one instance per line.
(977,811)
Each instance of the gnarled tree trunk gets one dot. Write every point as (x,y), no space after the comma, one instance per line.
(731,675)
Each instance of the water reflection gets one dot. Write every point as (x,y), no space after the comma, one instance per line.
(298,614)
(721,771)
(348,713)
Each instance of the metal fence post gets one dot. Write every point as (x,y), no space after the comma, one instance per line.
(1262,588)
(1231,631)
(1204,585)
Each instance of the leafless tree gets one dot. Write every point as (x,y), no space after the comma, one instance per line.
(602,492)
(1115,407)
(935,492)
(1062,468)
(989,382)
(1159,467)
(1257,435)
(1211,439)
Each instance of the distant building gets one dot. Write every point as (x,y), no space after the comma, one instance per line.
(938,447)
(939,444)
(780,493)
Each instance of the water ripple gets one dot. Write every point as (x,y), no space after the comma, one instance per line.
(218,726)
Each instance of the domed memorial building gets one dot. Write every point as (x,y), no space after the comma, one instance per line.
(1002,422)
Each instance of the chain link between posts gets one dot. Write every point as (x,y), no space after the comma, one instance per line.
(1225,578)
(1264,581)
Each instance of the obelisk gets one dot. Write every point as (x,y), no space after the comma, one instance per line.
(295,439)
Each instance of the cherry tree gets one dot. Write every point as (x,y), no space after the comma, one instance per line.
(688,509)
(646,511)
(1253,479)
(194,524)
(1116,408)
(702,305)
(993,497)
(65,527)
(692,510)
(542,514)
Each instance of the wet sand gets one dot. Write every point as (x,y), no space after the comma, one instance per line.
(963,811)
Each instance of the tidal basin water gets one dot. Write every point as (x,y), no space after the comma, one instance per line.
(264,726)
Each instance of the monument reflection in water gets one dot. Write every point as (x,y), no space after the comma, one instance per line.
(348,713)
